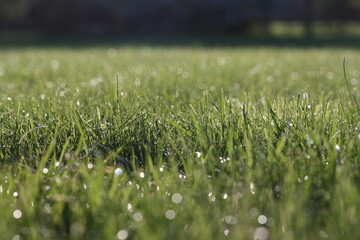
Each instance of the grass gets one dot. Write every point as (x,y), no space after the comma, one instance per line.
(212,143)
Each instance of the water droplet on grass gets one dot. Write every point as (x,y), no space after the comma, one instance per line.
(261,233)
(176,198)
(170,214)
(182,176)
(17,214)
(252,188)
(262,219)
(122,234)
(253,212)
(230,220)
(45,170)
(118,171)
(323,234)
(220,61)
(212,197)
(270,222)
(294,75)
(54,64)
(129,207)
(49,84)
(15,194)
(138,217)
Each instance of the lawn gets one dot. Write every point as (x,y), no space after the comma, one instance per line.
(179,142)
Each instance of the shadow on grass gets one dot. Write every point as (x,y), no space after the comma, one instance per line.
(9,41)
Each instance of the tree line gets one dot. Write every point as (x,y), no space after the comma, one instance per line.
(126,16)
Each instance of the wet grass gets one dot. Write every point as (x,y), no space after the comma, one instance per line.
(179,143)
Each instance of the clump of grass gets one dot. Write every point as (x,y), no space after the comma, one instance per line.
(348,87)
(182,144)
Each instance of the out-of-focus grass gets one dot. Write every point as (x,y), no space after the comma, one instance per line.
(212,143)
(320,29)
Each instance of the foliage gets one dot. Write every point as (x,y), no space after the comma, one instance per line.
(212,143)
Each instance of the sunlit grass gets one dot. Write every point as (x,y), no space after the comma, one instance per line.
(179,143)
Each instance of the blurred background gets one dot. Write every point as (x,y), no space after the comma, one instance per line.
(152,17)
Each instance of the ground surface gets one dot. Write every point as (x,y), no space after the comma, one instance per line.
(190,142)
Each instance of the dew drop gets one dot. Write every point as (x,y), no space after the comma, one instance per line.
(54,64)
(118,171)
(230,220)
(261,233)
(270,222)
(176,198)
(262,219)
(129,207)
(220,61)
(253,212)
(17,214)
(122,234)
(337,147)
(212,197)
(323,234)
(170,214)
(138,217)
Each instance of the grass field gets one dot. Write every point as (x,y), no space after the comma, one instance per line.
(190,142)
